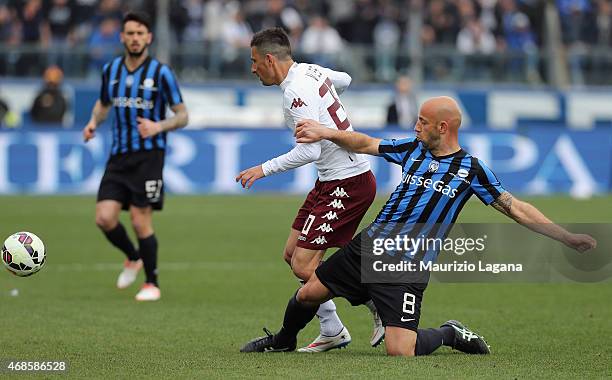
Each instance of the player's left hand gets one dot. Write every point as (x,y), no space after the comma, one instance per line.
(580,242)
(148,128)
(248,177)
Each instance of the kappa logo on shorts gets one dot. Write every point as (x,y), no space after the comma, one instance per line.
(340,193)
(336,203)
(319,240)
(331,215)
(325,227)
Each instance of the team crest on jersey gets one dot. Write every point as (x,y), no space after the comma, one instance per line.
(129,80)
(297,103)
(433,166)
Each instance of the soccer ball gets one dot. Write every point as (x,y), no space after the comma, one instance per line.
(23,254)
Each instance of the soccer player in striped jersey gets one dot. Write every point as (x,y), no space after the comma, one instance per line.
(438,178)
(137,88)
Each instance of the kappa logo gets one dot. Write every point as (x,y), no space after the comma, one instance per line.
(331,215)
(340,193)
(319,240)
(297,103)
(336,203)
(325,227)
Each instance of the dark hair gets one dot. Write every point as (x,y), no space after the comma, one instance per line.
(139,17)
(272,41)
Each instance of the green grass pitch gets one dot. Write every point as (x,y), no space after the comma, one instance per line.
(223,279)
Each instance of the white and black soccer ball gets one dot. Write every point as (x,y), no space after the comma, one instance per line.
(23,254)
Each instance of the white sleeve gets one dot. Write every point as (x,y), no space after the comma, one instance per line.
(301,154)
(340,79)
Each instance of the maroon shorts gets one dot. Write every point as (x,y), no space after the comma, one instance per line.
(333,210)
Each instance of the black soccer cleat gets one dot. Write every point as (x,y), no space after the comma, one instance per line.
(466,340)
(268,343)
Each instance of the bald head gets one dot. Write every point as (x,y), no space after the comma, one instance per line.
(443,108)
(438,125)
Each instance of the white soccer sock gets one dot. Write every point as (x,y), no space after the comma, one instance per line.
(331,325)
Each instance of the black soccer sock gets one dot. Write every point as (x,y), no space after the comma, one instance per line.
(297,316)
(120,239)
(448,335)
(148,253)
(428,340)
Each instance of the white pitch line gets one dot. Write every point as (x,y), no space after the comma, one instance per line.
(163,266)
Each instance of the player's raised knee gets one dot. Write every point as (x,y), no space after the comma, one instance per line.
(303,273)
(105,221)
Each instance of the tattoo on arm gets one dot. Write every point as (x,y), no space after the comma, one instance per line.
(503,203)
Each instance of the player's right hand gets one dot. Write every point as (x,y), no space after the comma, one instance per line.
(309,131)
(580,242)
(89,132)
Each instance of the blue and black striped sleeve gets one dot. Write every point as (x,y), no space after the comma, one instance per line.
(104,95)
(485,184)
(170,86)
(395,151)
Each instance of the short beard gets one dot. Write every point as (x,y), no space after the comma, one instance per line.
(136,54)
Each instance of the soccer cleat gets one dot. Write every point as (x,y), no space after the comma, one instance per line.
(129,273)
(148,292)
(326,343)
(378,335)
(268,343)
(466,340)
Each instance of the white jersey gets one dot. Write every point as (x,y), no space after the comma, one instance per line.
(311,92)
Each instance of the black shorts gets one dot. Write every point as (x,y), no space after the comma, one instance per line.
(398,304)
(134,179)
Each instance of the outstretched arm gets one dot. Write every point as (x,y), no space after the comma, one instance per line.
(300,155)
(532,218)
(308,131)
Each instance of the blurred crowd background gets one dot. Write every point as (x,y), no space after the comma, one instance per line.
(556,42)
(531,76)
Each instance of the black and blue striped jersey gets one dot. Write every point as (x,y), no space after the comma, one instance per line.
(432,192)
(144,92)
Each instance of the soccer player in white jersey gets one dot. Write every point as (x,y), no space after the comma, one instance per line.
(345,188)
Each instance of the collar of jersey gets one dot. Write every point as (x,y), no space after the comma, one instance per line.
(137,68)
(438,158)
(289,76)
